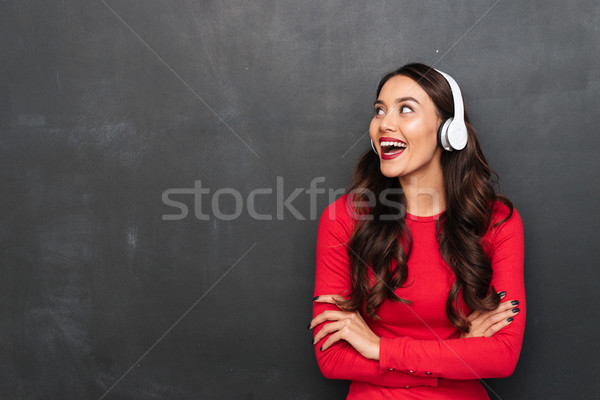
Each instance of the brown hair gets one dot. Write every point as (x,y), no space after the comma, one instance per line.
(470,196)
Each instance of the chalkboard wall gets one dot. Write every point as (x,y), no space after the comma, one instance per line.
(164,164)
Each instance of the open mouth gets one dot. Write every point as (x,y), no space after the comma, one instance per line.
(391,147)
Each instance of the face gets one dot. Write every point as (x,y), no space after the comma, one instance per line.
(404,130)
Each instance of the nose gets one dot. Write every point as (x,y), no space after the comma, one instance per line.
(388,123)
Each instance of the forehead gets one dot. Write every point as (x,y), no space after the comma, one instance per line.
(401,86)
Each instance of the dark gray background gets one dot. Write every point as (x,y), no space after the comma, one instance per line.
(105,105)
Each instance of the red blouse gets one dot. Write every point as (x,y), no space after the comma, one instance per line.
(421,353)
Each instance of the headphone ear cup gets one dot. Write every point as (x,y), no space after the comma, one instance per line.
(442,135)
(457,136)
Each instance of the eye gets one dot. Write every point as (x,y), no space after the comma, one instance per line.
(405,109)
(379,111)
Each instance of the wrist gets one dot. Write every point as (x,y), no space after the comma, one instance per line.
(376,348)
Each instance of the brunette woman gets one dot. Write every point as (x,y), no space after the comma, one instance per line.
(419,288)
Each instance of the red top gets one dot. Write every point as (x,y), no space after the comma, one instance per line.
(421,353)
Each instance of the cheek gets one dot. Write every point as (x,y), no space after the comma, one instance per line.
(373,128)
(422,132)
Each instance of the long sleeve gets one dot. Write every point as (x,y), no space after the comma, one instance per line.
(342,361)
(472,358)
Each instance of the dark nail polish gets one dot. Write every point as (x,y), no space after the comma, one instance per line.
(502,294)
(509,319)
(315,298)
(515,310)
(308,326)
(321,348)
(515,302)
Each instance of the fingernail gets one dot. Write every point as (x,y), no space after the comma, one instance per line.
(315,298)
(308,326)
(321,348)
(509,319)
(515,310)
(515,302)
(502,294)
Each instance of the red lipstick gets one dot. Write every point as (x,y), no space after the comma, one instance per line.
(391,147)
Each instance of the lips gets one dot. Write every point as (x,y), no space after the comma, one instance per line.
(391,147)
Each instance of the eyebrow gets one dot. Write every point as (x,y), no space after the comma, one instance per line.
(398,100)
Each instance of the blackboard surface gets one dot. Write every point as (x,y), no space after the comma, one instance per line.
(147,149)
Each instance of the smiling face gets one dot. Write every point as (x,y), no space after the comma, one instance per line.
(404,130)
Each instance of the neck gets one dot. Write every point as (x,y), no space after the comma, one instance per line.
(425,196)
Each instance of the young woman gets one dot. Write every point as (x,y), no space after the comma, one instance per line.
(419,288)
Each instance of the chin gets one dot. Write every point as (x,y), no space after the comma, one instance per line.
(389,172)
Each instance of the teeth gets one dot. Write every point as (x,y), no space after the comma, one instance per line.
(397,144)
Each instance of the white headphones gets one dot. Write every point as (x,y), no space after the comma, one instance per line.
(452,133)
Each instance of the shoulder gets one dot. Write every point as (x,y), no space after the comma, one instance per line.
(505,223)
(501,212)
(338,216)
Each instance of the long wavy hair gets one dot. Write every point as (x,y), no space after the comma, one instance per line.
(470,196)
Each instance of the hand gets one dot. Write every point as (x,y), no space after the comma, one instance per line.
(487,323)
(348,326)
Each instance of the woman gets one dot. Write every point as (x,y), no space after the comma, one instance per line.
(411,260)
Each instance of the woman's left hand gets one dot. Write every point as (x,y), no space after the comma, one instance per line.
(346,325)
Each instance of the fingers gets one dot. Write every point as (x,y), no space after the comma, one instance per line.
(504,310)
(337,329)
(474,315)
(340,319)
(502,307)
(488,323)
(477,314)
(330,315)
(326,315)
(329,328)
(328,298)
(499,321)
(331,340)
(499,316)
